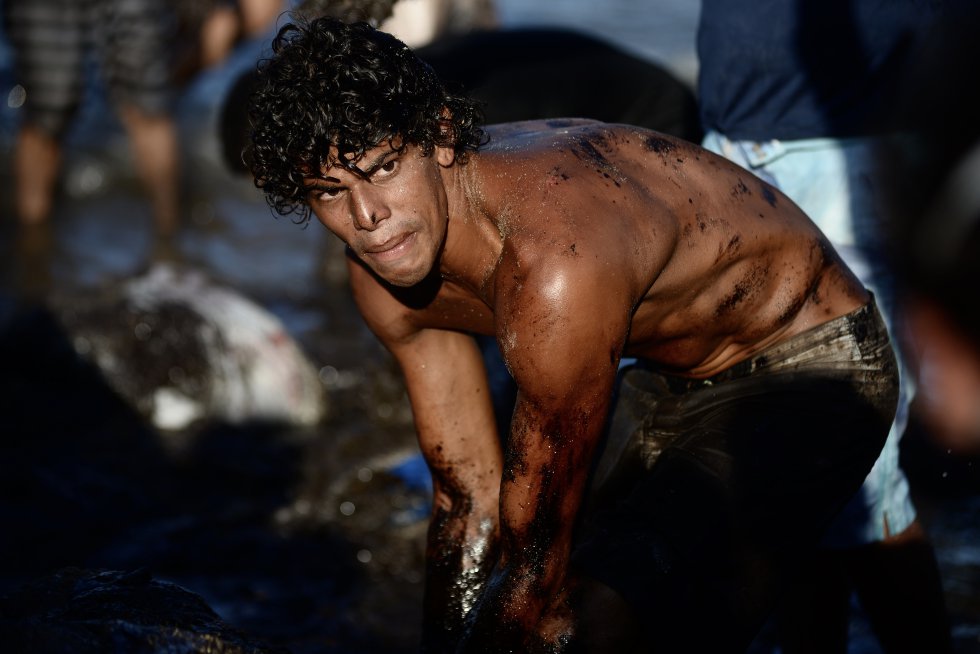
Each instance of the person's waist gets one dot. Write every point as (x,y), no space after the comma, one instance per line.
(864,324)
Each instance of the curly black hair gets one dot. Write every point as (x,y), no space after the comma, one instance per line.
(350,86)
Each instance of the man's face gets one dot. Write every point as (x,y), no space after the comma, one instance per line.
(393,214)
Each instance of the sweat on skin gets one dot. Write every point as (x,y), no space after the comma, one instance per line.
(573,243)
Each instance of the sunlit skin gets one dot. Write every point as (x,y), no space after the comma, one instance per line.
(573,243)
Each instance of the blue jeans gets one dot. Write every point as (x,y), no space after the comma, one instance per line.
(832,181)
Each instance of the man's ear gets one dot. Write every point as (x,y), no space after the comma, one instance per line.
(445,156)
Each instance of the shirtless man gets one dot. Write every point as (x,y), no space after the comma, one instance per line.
(764,375)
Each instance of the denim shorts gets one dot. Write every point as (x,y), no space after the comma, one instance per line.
(833,181)
(710,493)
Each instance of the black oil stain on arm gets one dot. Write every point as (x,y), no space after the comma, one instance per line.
(768,195)
(732,300)
(557,176)
(591,154)
(660,145)
(729,250)
(752,283)
(740,189)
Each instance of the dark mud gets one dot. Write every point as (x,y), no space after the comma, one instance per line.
(305,538)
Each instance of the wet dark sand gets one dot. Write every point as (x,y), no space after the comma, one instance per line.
(305,537)
(308,538)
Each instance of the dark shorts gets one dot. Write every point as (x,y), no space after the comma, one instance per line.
(711,493)
(129,41)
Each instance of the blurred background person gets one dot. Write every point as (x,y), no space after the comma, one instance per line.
(141,56)
(131,41)
(795,92)
(215,27)
(414,22)
(931,173)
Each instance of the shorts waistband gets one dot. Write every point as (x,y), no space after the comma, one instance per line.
(861,323)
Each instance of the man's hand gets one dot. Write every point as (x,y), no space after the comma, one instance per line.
(557,628)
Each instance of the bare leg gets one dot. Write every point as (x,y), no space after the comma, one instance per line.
(36,164)
(154,142)
(259,15)
(218,35)
(32,259)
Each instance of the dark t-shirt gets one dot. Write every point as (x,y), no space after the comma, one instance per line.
(790,69)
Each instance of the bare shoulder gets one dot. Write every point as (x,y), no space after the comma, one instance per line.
(611,136)
(563,305)
(584,197)
(583,159)
(524,128)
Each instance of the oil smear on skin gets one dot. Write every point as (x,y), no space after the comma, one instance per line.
(470,584)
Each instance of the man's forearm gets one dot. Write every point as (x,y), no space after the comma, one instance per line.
(461,552)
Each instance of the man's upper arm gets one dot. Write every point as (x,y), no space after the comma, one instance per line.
(562,331)
(450,397)
(563,349)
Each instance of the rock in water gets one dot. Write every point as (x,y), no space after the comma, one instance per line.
(181,349)
(75,611)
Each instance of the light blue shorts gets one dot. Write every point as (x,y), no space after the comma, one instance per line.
(832,181)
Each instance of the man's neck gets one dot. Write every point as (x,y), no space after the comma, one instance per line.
(473,240)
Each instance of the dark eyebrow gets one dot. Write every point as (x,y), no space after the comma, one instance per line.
(365,173)
(378,161)
(317,184)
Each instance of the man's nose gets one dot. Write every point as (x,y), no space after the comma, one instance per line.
(368,209)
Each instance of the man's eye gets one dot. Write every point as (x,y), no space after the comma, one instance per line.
(389,166)
(328,193)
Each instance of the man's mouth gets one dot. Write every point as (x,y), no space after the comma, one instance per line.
(392,248)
